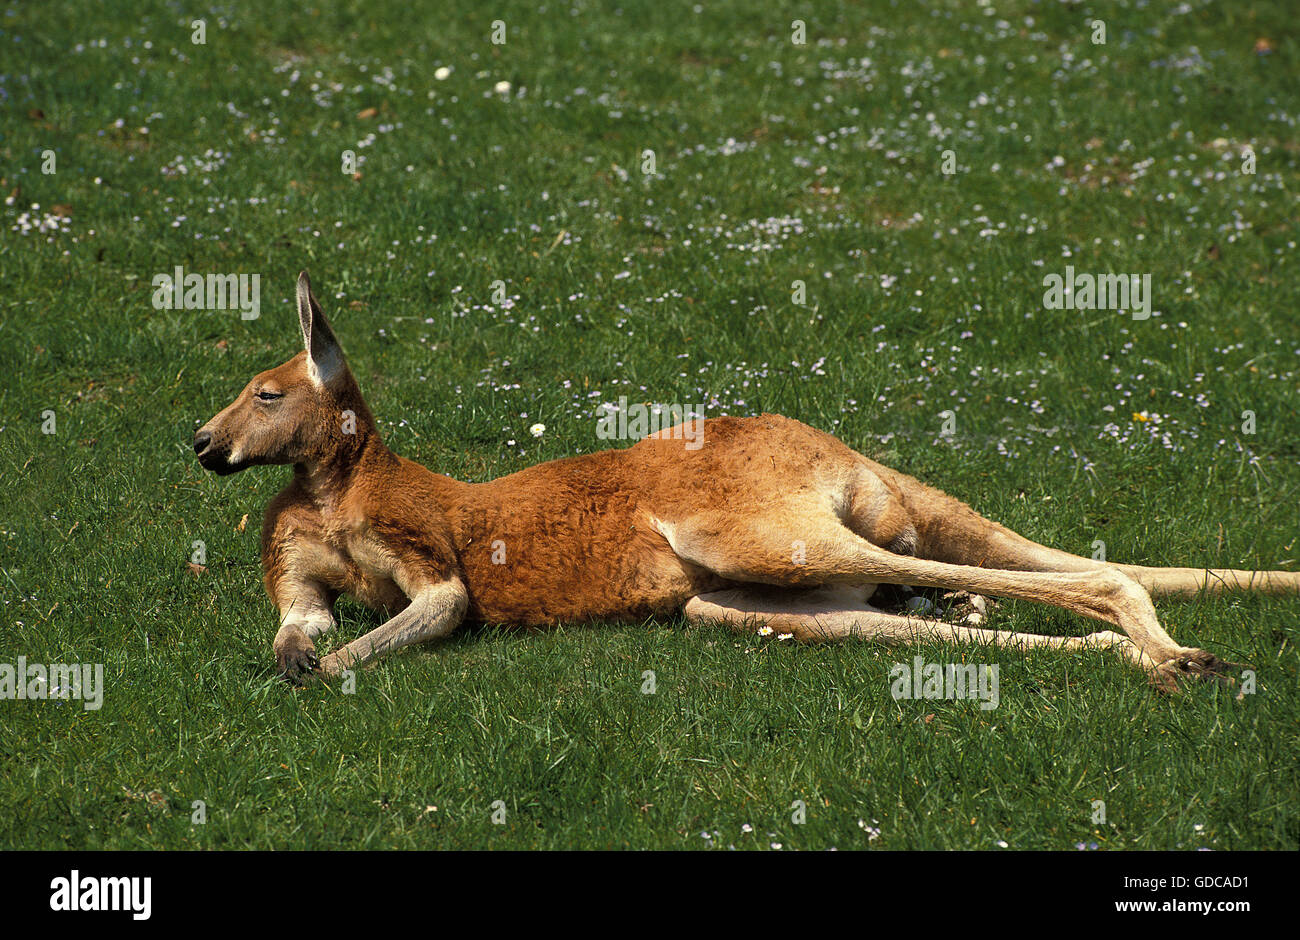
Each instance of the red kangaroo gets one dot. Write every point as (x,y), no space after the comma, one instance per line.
(768,521)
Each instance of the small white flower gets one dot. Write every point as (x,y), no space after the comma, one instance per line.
(785,636)
(764,631)
(873,832)
(442,73)
(501,88)
(537,430)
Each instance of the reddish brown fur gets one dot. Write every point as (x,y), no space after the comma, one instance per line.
(631,533)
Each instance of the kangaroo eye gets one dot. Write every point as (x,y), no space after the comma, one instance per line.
(269,396)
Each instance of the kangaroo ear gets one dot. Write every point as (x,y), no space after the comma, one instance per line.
(324,355)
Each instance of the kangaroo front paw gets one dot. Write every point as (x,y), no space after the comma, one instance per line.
(296,656)
(333,665)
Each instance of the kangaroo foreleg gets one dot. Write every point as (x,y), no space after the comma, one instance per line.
(434,612)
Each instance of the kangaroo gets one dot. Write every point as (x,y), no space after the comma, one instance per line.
(768,522)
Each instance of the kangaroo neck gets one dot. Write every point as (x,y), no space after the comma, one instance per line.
(328,478)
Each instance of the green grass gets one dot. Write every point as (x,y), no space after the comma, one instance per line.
(924,294)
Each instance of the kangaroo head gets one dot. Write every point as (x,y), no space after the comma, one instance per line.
(305,411)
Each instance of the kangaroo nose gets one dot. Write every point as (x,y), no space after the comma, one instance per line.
(201,441)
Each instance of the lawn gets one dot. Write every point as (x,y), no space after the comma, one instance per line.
(497,249)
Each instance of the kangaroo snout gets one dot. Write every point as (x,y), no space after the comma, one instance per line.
(213,456)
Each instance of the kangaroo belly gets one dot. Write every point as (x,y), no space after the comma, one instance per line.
(570,571)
